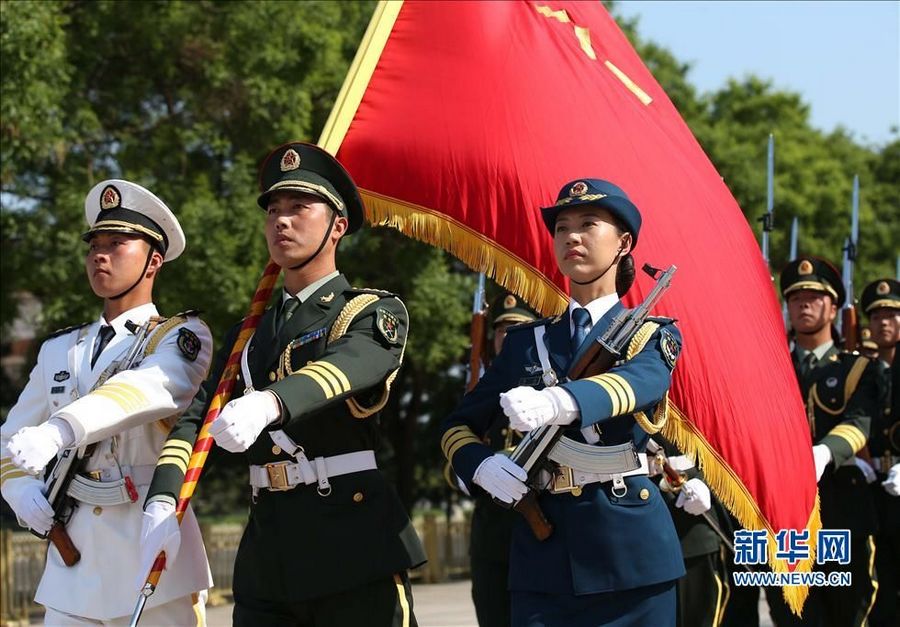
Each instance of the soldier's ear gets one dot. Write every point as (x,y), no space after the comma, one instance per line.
(340,227)
(156,262)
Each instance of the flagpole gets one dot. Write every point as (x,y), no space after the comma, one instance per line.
(204,440)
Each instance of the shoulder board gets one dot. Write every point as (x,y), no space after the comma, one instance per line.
(661,320)
(189,313)
(66,330)
(369,290)
(530,325)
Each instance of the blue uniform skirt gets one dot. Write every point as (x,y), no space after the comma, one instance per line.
(648,605)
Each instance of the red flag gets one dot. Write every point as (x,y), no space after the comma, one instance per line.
(459,119)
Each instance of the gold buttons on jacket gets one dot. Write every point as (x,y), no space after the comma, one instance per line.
(98,510)
(645,494)
(272,376)
(276,450)
(358,497)
(576,491)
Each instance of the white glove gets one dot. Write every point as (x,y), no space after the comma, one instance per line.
(694,497)
(243,419)
(33,447)
(502,478)
(822,457)
(867,471)
(892,483)
(159,532)
(25,496)
(528,409)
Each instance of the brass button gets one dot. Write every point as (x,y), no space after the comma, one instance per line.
(98,510)
(576,491)
(276,450)
(504,431)
(271,376)
(358,497)
(645,494)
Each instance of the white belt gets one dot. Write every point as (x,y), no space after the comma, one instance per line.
(281,476)
(110,486)
(568,479)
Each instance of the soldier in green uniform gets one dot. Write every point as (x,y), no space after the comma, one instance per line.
(703,591)
(840,391)
(881,302)
(328,542)
(491,530)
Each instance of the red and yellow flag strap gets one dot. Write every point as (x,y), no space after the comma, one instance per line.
(734,495)
(223,393)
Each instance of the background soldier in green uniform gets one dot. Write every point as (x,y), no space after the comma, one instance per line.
(840,391)
(328,541)
(881,302)
(703,591)
(491,531)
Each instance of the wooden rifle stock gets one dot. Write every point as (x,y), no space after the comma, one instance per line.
(850,327)
(534,516)
(477,335)
(60,538)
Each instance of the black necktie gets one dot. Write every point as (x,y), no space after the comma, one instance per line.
(105,335)
(582,318)
(287,310)
(806,364)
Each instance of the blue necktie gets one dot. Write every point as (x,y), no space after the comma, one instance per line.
(582,318)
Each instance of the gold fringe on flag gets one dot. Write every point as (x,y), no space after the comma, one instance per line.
(473,249)
(734,495)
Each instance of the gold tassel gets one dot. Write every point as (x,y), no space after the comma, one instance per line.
(467,245)
(731,491)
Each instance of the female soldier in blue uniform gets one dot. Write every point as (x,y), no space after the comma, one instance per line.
(613,556)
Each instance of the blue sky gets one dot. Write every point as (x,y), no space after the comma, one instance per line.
(842,57)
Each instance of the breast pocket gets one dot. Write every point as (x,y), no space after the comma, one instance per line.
(304,349)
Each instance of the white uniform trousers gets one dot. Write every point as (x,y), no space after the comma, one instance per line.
(188,611)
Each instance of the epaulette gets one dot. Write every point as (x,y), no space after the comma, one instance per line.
(189,313)
(369,290)
(530,325)
(66,330)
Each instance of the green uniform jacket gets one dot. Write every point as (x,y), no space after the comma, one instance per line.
(841,392)
(331,366)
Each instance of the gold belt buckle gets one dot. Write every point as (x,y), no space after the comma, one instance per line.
(96,475)
(278,479)
(564,481)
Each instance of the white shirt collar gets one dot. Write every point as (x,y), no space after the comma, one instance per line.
(310,289)
(819,351)
(597,308)
(137,315)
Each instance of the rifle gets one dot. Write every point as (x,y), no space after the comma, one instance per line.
(71,462)
(600,356)
(477,335)
(768,218)
(795,230)
(849,319)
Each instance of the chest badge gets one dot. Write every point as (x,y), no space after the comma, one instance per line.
(328,298)
(61,376)
(831,382)
(533,368)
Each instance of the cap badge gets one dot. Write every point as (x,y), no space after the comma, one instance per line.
(805,267)
(883,289)
(110,198)
(578,189)
(290,160)
(509,302)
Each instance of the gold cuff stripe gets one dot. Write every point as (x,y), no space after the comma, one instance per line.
(326,388)
(610,391)
(180,454)
(168,460)
(629,391)
(182,445)
(13,473)
(6,463)
(459,441)
(621,395)
(124,403)
(451,432)
(854,437)
(328,376)
(129,397)
(337,373)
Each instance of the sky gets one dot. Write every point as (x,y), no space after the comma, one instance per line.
(842,57)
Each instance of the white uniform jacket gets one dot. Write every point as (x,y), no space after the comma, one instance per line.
(124,416)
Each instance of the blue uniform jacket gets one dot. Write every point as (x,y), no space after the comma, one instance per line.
(600,543)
